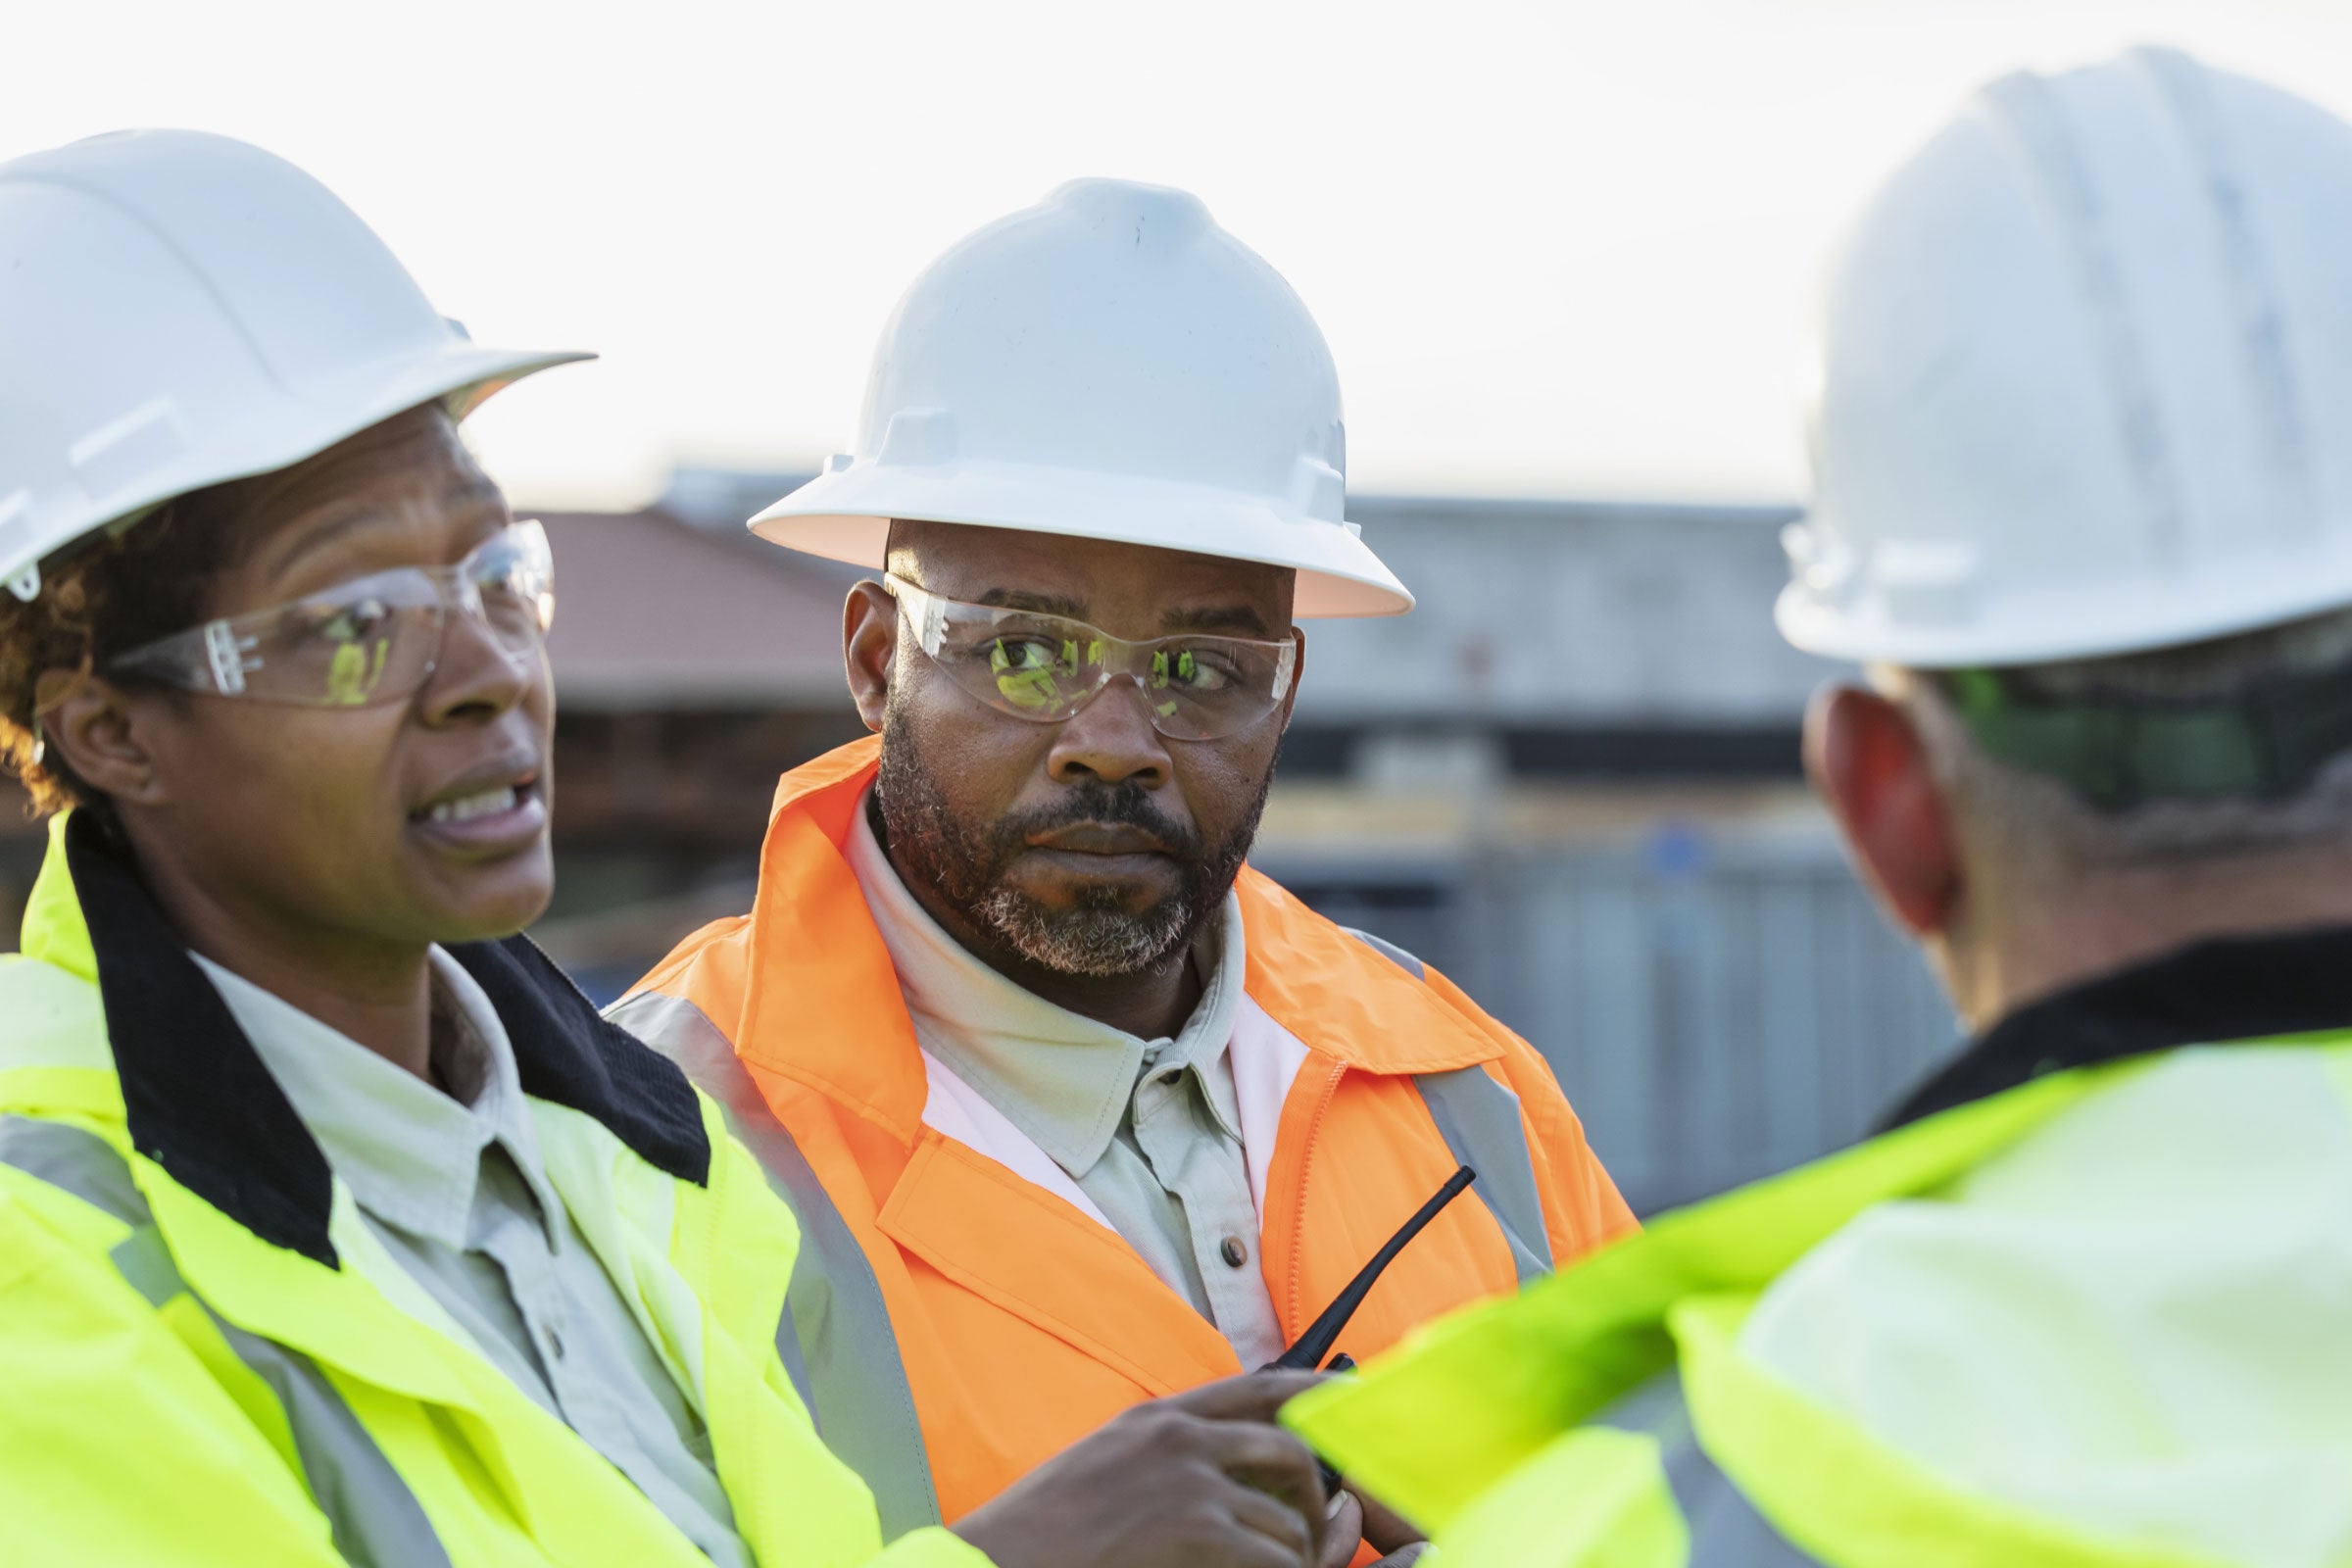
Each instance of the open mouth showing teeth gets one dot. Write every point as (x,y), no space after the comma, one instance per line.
(466,807)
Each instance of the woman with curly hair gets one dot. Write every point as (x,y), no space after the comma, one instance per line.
(335,1226)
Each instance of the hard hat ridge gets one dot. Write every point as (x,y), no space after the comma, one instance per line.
(2086,378)
(1113,364)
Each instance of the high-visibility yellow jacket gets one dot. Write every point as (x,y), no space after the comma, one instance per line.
(2093,1311)
(204,1358)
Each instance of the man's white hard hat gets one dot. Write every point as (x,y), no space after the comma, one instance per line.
(179,309)
(1107,364)
(2086,378)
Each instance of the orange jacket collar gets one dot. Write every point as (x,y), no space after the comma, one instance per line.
(810,1014)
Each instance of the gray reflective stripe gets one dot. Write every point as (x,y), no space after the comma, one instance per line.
(836,1341)
(1480,1121)
(1390,952)
(1726,1530)
(145,1263)
(377,1520)
(79,1162)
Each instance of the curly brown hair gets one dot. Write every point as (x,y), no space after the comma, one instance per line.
(102,598)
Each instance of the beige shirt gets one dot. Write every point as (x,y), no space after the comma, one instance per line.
(1148,1129)
(453,1187)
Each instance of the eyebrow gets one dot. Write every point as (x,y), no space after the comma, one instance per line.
(1228,620)
(1035,603)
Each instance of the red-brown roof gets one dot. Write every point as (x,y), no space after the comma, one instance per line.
(653,612)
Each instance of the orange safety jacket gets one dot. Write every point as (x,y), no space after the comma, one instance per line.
(953,1322)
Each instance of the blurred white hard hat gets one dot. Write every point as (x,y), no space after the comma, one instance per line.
(1109,364)
(179,309)
(2086,378)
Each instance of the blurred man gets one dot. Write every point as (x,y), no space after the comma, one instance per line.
(2085,464)
(1075,1109)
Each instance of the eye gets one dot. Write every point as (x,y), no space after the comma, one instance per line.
(355,621)
(1197,670)
(1018,655)
(514,596)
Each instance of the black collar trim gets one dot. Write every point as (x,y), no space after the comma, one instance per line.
(2243,988)
(200,1104)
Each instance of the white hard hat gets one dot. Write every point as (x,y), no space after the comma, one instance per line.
(1109,364)
(178,309)
(2086,378)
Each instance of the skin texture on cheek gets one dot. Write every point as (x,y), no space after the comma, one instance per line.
(305,814)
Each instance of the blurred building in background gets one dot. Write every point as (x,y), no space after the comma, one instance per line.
(1569,779)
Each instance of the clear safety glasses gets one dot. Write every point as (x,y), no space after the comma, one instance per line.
(372,640)
(1045,668)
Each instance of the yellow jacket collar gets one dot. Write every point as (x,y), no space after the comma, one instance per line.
(199,1102)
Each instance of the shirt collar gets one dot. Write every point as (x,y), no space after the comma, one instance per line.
(1063,1079)
(2210,992)
(411,1153)
(199,1102)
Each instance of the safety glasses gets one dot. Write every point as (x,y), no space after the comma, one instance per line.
(1045,668)
(374,639)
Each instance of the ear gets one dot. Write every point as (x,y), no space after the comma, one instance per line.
(869,649)
(100,734)
(1870,767)
(1289,699)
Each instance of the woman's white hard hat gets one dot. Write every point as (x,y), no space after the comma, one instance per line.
(178,309)
(2086,378)
(1107,364)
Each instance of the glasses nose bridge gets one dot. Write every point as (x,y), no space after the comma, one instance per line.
(458,588)
(461,599)
(1138,685)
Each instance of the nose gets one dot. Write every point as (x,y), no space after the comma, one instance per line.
(1110,739)
(477,678)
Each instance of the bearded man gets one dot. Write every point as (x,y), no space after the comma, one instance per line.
(1075,1109)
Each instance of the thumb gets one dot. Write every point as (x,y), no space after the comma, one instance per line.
(1343,1530)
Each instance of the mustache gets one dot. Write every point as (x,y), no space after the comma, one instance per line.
(1125,805)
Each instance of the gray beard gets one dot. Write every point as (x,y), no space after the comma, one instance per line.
(965,866)
(1104,943)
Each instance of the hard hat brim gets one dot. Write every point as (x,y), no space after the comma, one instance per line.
(2063,622)
(460,378)
(845,515)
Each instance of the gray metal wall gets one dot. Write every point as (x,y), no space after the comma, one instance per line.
(1717,1008)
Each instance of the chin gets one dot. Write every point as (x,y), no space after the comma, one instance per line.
(495,901)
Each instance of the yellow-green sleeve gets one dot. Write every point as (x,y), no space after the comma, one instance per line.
(116,1445)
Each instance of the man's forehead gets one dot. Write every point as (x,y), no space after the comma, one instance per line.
(1086,576)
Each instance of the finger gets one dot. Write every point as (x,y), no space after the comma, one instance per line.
(1343,1530)
(1278,1464)
(1254,1397)
(1384,1527)
(1268,1459)
(1244,1449)
(1273,1521)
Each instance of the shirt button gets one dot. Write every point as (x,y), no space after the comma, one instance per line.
(1235,1250)
(1172,1076)
(555,1343)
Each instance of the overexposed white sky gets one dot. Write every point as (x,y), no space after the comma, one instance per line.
(1559,249)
